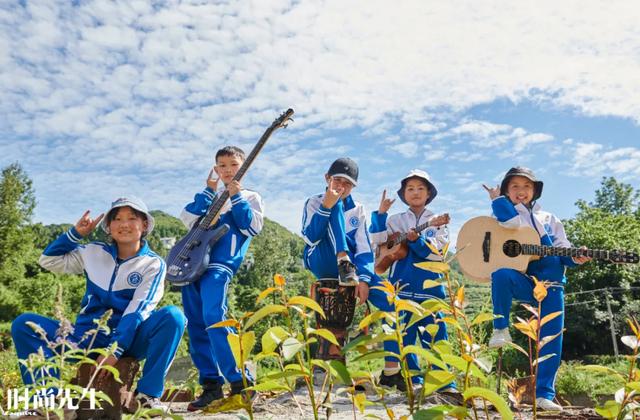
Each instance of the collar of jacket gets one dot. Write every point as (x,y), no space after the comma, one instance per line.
(349,203)
(144,250)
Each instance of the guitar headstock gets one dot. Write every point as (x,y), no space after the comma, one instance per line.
(624,257)
(283,120)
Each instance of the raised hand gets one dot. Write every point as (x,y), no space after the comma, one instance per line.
(86,224)
(441,219)
(332,195)
(493,192)
(385,203)
(212,180)
(234,188)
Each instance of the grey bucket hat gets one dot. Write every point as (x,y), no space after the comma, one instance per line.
(134,203)
(417,173)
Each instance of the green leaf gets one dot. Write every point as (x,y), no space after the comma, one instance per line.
(436,379)
(380,354)
(266,292)
(359,400)
(431,283)
(231,403)
(290,347)
(482,317)
(495,399)
(342,371)
(440,412)
(609,410)
(324,333)
(306,302)
(549,317)
(288,373)
(269,386)
(461,364)
(424,354)
(272,338)
(264,311)
(372,317)
(433,329)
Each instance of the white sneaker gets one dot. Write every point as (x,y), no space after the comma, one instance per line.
(148,402)
(499,338)
(547,405)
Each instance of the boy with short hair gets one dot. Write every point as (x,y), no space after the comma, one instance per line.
(337,242)
(416,191)
(205,301)
(514,204)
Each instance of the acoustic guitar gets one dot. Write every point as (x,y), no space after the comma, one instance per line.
(396,247)
(189,257)
(485,246)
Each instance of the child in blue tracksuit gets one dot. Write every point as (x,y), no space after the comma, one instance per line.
(416,191)
(205,300)
(514,205)
(124,276)
(337,243)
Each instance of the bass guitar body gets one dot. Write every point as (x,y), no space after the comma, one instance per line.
(190,255)
(481,248)
(389,252)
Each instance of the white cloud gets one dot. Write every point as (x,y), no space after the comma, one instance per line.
(114,90)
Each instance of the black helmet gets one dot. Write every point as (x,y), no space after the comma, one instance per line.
(525,172)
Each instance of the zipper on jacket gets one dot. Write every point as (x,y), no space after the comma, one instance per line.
(113,277)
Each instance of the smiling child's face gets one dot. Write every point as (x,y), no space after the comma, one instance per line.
(520,190)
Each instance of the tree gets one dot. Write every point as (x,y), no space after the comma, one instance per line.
(17,202)
(607,223)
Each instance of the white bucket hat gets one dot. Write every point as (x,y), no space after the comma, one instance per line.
(134,203)
(417,173)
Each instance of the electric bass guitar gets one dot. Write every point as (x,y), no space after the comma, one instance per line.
(485,246)
(188,259)
(396,247)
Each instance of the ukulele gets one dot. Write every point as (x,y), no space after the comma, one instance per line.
(485,246)
(189,257)
(396,247)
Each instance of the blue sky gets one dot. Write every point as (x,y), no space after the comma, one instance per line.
(105,98)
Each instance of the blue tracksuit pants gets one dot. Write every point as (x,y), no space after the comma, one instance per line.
(321,259)
(379,299)
(508,284)
(205,303)
(156,341)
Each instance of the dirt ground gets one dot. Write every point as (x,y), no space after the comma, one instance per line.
(284,407)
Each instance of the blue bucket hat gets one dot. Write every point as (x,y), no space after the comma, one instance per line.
(133,202)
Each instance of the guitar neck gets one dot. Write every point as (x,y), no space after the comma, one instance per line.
(546,251)
(402,237)
(220,201)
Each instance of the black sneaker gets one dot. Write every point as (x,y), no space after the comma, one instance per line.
(211,391)
(347,273)
(393,380)
(237,388)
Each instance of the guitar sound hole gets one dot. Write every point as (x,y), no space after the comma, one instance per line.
(512,248)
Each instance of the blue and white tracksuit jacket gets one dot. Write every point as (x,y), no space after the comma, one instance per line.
(410,278)
(508,284)
(326,232)
(205,301)
(131,288)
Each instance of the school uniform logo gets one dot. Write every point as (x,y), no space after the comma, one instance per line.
(431,233)
(134,279)
(354,222)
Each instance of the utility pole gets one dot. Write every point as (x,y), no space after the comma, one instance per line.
(612,326)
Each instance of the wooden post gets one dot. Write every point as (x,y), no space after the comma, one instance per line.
(612,326)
